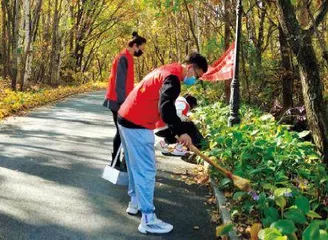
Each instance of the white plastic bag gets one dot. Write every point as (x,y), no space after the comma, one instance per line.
(114,175)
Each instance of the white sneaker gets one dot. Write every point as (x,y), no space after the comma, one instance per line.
(154,225)
(179,150)
(162,146)
(132,209)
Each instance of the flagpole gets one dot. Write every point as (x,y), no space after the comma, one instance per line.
(235,97)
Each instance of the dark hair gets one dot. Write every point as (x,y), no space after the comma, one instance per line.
(136,39)
(197,60)
(191,100)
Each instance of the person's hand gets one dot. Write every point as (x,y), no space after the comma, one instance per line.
(185,140)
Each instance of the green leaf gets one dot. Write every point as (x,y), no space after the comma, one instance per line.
(321,223)
(228,142)
(238,135)
(311,232)
(248,206)
(303,204)
(224,182)
(292,236)
(272,213)
(313,214)
(223,229)
(281,191)
(293,2)
(296,215)
(281,202)
(323,235)
(271,234)
(267,221)
(284,226)
(313,157)
(268,186)
(238,195)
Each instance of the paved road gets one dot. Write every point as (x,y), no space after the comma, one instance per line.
(50,186)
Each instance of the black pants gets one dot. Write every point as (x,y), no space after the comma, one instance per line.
(197,138)
(116,140)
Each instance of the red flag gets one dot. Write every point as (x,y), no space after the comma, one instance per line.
(222,69)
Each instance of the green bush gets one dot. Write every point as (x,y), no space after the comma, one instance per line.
(281,166)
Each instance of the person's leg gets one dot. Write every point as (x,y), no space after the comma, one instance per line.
(133,205)
(162,145)
(116,140)
(139,143)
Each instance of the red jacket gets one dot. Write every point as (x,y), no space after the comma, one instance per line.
(121,80)
(141,106)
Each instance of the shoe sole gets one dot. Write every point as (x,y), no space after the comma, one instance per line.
(132,211)
(144,231)
(172,155)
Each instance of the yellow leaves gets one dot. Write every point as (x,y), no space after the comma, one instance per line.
(13,102)
(255,230)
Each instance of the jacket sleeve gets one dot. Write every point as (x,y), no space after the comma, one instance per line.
(168,94)
(121,76)
(181,106)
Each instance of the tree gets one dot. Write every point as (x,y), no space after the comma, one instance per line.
(31,25)
(300,41)
(286,71)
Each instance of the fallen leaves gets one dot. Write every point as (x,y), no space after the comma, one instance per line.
(196,176)
(13,102)
(254,230)
(211,200)
(215,218)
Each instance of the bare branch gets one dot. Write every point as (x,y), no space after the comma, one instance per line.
(321,16)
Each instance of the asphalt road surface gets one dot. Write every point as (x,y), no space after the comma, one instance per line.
(51,161)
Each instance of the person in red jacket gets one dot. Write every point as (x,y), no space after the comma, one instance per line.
(151,104)
(121,82)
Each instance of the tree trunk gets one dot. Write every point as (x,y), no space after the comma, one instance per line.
(30,28)
(62,40)
(25,76)
(71,35)
(15,30)
(54,47)
(286,72)
(20,41)
(4,41)
(260,38)
(312,88)
(10,24)
(192,26)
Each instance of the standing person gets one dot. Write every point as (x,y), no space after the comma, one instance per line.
(151,104)
(121,82)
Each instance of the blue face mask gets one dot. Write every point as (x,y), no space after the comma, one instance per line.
(190,80)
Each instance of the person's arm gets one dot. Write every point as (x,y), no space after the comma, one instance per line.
(121,77)
(181,106)
(168,94)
